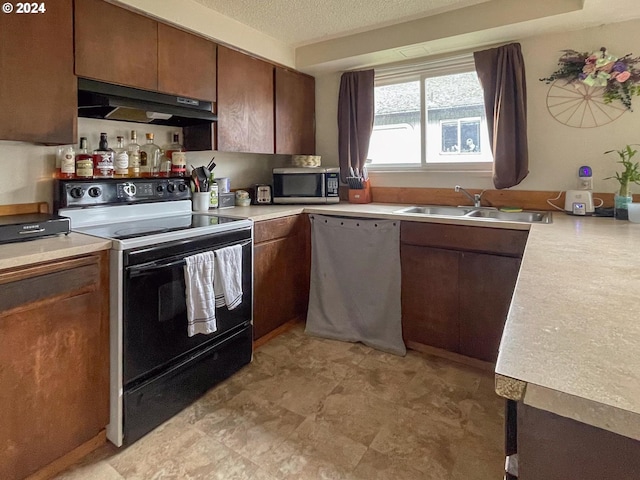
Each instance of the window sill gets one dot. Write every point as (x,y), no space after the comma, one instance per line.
(482,169)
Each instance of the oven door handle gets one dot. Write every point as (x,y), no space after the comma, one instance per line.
(154,267)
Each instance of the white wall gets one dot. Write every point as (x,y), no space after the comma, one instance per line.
(30,168)
(555,150)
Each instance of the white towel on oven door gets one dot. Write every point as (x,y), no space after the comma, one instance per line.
(228,282)
(199,273)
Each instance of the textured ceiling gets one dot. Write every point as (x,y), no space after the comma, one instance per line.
(301,22)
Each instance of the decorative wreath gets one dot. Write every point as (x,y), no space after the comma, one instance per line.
(617,75)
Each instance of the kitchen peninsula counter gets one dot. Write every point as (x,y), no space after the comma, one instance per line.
(572,334)
(21,254)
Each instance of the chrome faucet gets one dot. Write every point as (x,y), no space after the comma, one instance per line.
(476,198)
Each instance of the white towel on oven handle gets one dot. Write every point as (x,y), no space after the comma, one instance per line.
(199,276)
(228,281)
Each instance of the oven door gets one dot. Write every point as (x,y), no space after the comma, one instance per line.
(154,309)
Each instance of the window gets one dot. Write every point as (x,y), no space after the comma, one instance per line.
(430,116)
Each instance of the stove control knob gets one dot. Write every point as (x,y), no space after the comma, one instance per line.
(95,192)
(76,192)
(171,188)
(160,188)
(182,187)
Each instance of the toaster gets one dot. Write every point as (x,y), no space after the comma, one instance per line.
(263,194)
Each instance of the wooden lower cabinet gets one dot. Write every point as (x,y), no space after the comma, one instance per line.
(54,361)
(430,296)
(457,284)
(282,258)
(551,447)
(486,284)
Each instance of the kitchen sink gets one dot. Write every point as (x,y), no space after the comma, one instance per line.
(437,210)
(529,217)
(478,212)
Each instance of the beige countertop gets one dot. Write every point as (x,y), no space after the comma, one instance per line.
(572,334)
(50,248)
(573,329)
(259,213)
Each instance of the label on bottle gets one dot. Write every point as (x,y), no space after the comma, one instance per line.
(84,167)
(103,164)
(68,164)
(178,163)
(134,163)
(213,195)
(121,163)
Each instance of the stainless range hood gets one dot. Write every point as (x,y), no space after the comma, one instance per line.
(115,102)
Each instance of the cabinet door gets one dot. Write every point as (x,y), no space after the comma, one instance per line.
(115,45)
(38,91)
(186,64)
(295,113)
(486,287)
(54,361)
(430,296)
(245,103)
(281,273)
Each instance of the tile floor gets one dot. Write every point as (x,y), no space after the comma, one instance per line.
(310,408)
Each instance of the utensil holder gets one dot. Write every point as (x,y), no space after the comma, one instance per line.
(361,195)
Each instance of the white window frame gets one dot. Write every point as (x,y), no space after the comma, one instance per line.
(419,72)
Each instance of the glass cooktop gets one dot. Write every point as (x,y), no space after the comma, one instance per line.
(155,226)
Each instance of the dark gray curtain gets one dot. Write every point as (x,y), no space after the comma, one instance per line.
(501,74)
(355,119)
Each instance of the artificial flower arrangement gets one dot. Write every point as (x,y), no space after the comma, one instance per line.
(617,75)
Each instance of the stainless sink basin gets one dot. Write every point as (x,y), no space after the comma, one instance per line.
(475,212)
(437,210)
(529,217)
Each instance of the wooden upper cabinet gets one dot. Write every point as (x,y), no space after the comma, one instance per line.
(38,92)
(295,113)
(115,45)
(245,103)
(186,64)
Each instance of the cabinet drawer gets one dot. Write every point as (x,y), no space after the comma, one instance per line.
(461,237)
(268,230)
(62,279)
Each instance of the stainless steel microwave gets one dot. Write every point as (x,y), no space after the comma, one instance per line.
(306,185)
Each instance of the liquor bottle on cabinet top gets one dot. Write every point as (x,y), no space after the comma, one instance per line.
(133,149)
(67,159)
(103,159)
(177,166)
(169,149)
(84,160)
(150,158)
(121,160)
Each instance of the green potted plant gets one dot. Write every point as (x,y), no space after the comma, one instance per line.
(630,174)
